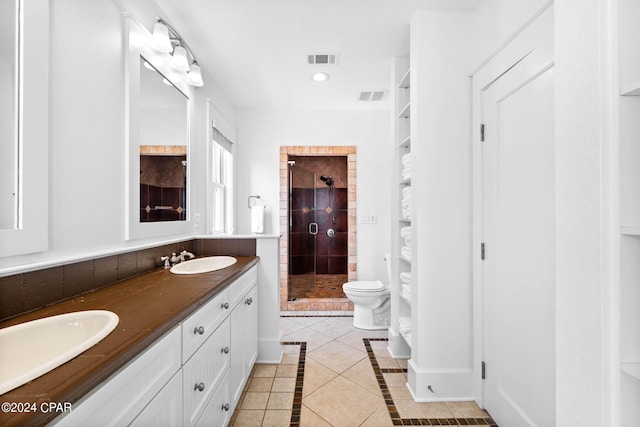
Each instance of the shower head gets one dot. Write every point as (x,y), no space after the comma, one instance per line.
(327,179)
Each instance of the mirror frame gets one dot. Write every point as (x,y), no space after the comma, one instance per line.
(136,39)
(31,236)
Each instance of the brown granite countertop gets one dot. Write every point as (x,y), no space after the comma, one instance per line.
(149,305)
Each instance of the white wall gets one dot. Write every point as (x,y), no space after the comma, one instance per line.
(87,132)
(262,132)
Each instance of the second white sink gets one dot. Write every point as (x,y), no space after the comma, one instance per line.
(203,265)
(31,349)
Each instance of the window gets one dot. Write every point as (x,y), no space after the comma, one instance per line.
(221,183)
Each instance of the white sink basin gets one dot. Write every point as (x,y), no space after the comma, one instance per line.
(34,348)
(203,265)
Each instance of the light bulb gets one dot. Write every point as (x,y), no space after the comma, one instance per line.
(160,39)
(179,59)
(194,77)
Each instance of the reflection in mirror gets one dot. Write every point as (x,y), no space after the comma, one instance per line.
(9,172)
(164,135)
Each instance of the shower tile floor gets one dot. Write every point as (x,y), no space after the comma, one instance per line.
(333,374)
(325,286)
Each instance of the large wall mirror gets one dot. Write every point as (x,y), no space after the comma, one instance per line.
(9,57)
(24,160)
(164,133)
(159,111)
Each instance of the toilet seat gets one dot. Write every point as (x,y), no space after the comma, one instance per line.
(364,286)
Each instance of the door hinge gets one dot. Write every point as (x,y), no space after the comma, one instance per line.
(482,251)
(482,132)
(484,370)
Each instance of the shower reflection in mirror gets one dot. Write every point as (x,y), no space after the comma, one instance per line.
(163,147)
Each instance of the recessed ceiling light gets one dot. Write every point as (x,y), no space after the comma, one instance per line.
(320,77)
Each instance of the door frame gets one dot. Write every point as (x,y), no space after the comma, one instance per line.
(315,304)
(513,50)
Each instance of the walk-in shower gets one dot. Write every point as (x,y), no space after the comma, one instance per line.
(318,227)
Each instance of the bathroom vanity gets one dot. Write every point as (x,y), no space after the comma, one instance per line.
(181,354)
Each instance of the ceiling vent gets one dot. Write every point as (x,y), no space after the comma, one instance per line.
(322,59)
(371,95)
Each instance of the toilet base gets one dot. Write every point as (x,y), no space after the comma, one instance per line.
(368,319)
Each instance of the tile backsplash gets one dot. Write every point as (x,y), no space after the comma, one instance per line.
(24,292)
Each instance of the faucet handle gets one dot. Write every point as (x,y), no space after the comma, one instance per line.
(165,259)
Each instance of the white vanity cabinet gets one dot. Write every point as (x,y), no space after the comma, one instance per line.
(193,376)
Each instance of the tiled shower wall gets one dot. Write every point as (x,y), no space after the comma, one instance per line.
(314,151)
(330,212)
(24,292)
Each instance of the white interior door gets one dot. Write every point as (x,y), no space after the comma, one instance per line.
(518,217)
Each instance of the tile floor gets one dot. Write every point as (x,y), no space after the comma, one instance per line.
(333,374)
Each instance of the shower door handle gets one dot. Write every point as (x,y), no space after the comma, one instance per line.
(313,228)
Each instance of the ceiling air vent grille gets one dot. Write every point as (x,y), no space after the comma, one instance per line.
(371,95)
(322,59)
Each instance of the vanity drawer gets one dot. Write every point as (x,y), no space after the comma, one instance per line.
(204,371)
(199,326)
(241,286)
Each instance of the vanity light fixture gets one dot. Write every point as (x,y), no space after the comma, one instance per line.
(166,39)
(194,77)
(320,77)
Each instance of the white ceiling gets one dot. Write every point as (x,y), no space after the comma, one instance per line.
(256,49)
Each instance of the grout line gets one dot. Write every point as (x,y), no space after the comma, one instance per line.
(296,410)
(393,411)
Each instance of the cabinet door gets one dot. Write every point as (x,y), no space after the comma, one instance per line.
(238,339)
(251,353)
(203,373)
(218,413)
(244,342)
(165,410)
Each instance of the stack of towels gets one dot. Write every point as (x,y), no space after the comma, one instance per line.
(405,233)
(405,251)
(404,327)
(405,281)
(406,203)
(406,165)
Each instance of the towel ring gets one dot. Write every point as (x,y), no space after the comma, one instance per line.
(252,197)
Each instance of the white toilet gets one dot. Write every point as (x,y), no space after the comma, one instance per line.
(371,302)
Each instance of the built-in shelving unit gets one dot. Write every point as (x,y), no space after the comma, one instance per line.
(400,331)
(629,178)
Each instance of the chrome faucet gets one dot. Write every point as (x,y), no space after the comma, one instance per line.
(184,255)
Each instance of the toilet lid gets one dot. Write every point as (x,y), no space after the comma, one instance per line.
(364,285)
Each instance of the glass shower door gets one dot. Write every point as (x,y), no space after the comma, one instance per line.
(303,229)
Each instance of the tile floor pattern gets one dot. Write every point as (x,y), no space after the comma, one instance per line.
(333,374)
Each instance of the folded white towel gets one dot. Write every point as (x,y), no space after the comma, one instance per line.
(405,231)
(405,203)
(257,218)
(406,252)
(406,159)
(406,192)
(406,290)
(406,213)
(407,338)
(406,173)
(405,277)
(407,241)
(404,325)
